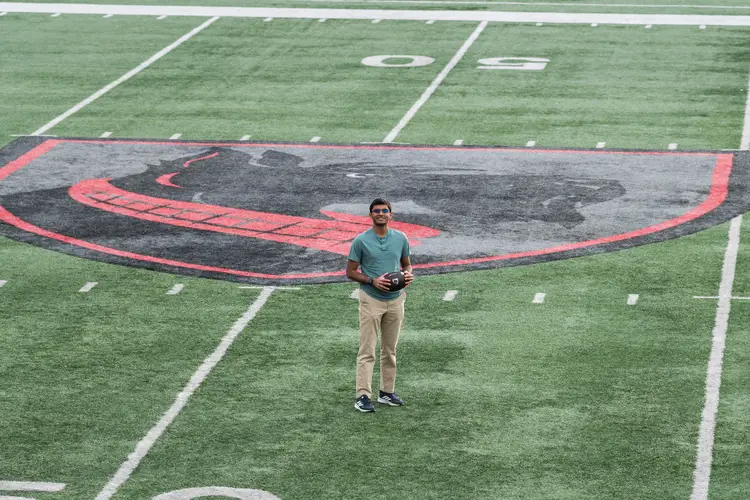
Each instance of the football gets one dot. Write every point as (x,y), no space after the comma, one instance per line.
(397,279)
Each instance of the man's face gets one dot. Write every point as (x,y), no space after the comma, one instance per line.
(380,214)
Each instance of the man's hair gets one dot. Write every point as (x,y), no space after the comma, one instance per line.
(380,201)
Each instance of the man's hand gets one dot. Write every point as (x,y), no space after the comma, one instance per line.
(382,284)
(408,277)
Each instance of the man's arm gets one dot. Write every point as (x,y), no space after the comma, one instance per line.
(354,275)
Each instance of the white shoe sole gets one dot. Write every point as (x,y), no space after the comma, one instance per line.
(362,410)
(388,402)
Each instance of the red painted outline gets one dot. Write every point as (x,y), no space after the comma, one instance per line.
(166,180)
(331,236)
(717,195)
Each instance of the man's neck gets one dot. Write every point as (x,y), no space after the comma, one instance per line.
(380,230)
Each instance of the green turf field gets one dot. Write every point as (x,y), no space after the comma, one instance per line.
(582,397)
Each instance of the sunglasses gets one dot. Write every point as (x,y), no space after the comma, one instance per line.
(381,210)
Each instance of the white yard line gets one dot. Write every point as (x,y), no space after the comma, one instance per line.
(745,140)
(31,486)
(404,15)
(704,458)
(125,77)
(145,444)
(434,85)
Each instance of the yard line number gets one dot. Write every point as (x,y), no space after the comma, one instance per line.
(412,61)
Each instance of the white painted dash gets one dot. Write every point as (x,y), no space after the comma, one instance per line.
(3,13)
(2,283)
(161,17)
(322,20)
(88,286)
(540,24)
(105,135)
(539,298)
(354,294)
(594,25)
(431,21)
(450,295)
(459,142)
(107,16)
(375,21)
(30,486)
(648,26)
(176,289)
(174,137)
(672,145)
(531,144)
(702,27)
(632,299)
(600,145)
(245,138)
(268,20)
(315,139)
(57,14)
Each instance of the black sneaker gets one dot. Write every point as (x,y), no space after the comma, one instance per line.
(390,398)
(363,404)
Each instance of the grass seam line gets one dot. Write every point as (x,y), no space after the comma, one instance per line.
(145,444)
(127,76)
(436,82)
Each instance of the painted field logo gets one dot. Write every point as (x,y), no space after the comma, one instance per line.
(287,213)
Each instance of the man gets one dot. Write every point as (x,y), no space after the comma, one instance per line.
(378,251)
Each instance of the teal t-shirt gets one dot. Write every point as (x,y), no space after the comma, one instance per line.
(377,256)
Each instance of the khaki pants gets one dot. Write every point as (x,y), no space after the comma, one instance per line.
(386,316)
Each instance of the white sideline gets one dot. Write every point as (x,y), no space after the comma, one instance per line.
(536,4)
(372,14)
(123,78)
(145,444)
(702,472)
(704,458)
(434,85)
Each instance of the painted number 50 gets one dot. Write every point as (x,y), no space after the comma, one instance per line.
(216,491)
(410,61)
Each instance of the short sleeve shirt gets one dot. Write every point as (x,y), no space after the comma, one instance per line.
(377,256)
